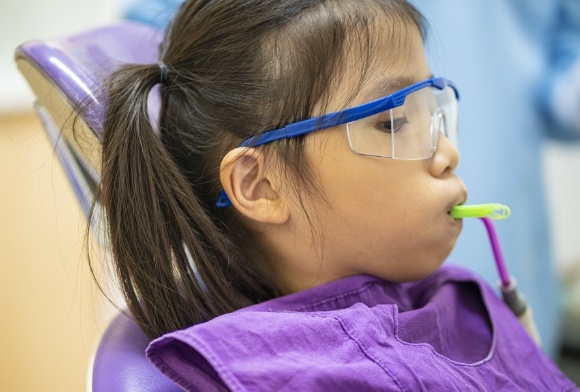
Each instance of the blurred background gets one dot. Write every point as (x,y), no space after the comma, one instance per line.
(52,313)
(51,310)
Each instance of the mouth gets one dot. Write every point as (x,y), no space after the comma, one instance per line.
(457,201)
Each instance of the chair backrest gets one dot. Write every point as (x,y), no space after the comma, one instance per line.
(67,75)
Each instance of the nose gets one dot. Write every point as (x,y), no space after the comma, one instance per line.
(445,159)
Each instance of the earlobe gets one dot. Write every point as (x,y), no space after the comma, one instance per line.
(252,187)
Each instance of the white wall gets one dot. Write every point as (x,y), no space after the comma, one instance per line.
(562,172)
(21,20)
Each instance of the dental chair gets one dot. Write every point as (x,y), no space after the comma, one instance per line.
(66,75)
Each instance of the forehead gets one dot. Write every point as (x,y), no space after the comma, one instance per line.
(383,68)
(390,72)
(375,60)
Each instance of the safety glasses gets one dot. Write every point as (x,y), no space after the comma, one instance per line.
(403,125)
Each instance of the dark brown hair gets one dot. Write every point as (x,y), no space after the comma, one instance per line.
(234,69)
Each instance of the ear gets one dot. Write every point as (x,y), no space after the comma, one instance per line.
(252,188)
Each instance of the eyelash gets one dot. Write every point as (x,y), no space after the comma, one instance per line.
(385,126)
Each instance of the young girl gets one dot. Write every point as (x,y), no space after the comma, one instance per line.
(285,222)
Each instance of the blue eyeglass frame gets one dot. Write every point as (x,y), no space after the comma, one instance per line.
(344,116)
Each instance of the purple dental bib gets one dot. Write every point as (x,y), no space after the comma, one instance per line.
(447,332)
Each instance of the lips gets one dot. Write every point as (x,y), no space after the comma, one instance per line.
(457,201)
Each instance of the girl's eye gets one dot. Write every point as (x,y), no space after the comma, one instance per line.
(392,126)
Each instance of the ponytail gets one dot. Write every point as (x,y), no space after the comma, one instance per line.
(163,241)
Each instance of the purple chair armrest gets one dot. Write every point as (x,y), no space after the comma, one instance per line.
(120,363)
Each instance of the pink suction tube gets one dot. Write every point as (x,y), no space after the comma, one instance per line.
(508,285)
(502,270)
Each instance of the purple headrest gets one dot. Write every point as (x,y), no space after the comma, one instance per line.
(78,64)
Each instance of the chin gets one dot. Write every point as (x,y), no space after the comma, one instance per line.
(419,274)
(431,271)
(432,265)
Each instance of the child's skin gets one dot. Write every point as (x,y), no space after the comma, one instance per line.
(384,217)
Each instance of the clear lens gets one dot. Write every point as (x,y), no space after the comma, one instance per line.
(447,102)
(410,131)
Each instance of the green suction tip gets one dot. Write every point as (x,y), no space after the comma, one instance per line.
(494,211)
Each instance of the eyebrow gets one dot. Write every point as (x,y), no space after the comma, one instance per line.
(385,86)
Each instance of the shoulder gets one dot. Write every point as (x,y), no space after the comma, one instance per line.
(360,334)
(272,351)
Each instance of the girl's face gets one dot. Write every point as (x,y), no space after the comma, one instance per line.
(384,217)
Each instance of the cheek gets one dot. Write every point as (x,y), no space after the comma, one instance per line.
(386,187)
(377,206)
(384,226)
(378,211)
(345,173)
(365,191)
